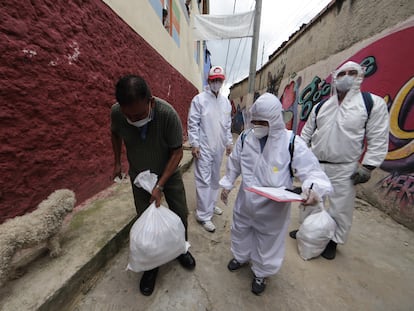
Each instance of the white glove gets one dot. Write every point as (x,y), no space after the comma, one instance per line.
(224,196)
(310,197)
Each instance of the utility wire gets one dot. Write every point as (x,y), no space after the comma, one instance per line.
(241,57)
(228,44)
(238,49)
(303,10)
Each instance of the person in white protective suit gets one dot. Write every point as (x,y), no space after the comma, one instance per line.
(336,136)
(209,134)
(261,155)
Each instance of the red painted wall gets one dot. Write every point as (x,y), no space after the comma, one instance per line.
(59,63)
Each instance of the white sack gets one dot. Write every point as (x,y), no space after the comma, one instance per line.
(314,234)
(157,237)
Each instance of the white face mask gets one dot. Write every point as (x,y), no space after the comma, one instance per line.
(260,131)
(141,123)
(216,86)
(344,83)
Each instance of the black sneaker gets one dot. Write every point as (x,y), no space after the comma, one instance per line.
(292,234)
(330,251)
(258,285)
(148,282)
(234,265)
(187,261)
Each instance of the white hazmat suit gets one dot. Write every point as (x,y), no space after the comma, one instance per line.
(337,140)
(259,224)
(209,128)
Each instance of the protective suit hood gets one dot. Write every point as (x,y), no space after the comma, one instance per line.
(207,89)
(268,108)
(350,65)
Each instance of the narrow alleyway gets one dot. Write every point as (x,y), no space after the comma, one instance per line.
(373,271)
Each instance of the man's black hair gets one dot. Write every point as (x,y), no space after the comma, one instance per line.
(130,89)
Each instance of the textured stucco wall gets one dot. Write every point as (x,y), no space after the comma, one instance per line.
(181,55)
(59,63)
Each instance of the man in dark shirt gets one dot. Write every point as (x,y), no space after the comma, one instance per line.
(152,133)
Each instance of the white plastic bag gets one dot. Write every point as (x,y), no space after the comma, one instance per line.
(146,180)
(157,237)
(315,233)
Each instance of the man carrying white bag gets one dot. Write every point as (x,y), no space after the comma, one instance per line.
(151,131)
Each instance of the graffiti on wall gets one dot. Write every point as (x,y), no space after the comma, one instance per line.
(389,75)
(274,80)
(400,157)
(312,94)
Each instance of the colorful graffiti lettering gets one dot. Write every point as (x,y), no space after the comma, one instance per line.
(402,187)
(400,155)
(290,104)
(370,66)
(311,95)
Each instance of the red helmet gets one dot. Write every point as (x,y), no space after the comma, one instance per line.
(216,72)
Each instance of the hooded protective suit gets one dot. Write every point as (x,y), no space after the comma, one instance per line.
(259,224)
(209,128)
(337,140)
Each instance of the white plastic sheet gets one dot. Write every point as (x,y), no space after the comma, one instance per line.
(216,27)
